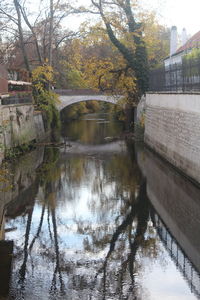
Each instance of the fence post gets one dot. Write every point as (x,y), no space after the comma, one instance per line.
(176,82)
(183,77)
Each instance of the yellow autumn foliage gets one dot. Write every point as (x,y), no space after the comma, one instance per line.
(42,76)
(94,62)
(45,99)
(156,37)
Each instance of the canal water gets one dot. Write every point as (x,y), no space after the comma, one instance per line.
(99,217)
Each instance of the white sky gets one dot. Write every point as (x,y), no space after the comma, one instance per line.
(181,13)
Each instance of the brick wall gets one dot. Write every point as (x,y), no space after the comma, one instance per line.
(172,128)
(3,86)
(3,80)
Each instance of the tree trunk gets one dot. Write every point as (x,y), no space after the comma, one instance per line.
(21,37)
(34,35)
(51,32)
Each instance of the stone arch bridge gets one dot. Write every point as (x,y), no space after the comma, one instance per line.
(69,97)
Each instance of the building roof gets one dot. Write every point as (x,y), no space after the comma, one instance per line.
(193,42)
(18,82)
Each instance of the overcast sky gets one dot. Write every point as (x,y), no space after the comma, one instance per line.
(181,13)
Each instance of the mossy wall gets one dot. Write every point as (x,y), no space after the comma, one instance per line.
(19,125)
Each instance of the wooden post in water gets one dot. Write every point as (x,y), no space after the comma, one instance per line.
(6,251)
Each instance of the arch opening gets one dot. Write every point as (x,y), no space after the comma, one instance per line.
(68,100)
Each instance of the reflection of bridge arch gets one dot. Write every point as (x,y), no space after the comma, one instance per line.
(67,100)
(110,148)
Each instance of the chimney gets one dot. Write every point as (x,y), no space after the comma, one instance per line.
(183,37)
(173,40)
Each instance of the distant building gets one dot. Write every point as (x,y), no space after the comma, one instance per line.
(13,81)
(176,53)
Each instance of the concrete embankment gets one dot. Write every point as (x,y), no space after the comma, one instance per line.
(172,129)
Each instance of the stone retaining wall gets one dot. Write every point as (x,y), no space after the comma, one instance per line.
(172,128)
(19,125)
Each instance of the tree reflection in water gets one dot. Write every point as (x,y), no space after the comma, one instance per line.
(46,181)
(140,211)
(106,264)
(22,270)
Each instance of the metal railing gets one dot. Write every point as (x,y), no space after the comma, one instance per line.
(183,77)
(17,100)
(77,92)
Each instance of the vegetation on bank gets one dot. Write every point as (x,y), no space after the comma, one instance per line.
(15,152)
(45,99)
(5,180)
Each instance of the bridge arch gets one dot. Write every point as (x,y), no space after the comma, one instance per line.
(68,100)
(108,148)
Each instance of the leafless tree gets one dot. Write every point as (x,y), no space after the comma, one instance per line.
(37,34)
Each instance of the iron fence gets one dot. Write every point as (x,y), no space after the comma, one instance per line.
(183,77)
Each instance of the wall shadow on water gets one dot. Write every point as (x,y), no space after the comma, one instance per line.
(6,252)
(176,213)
